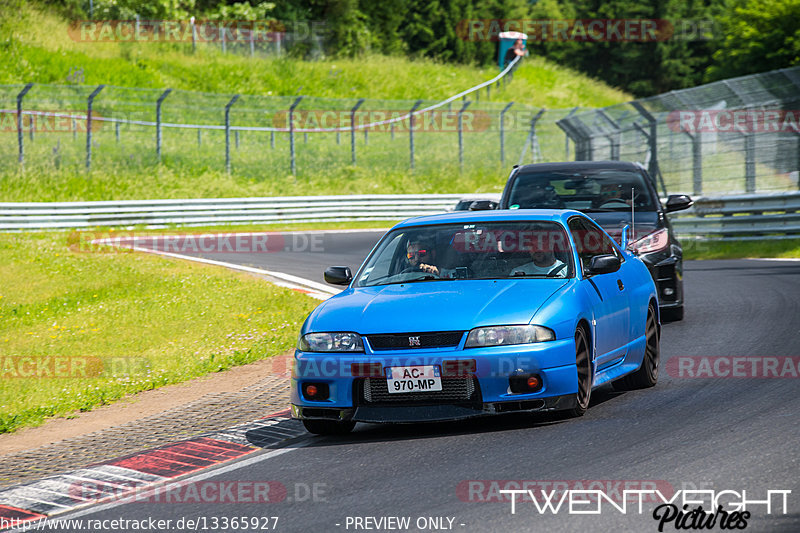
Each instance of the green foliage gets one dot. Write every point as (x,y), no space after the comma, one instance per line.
(675,60)
(758,36)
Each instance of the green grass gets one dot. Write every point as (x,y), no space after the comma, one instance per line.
(165,321)
(709,249)
(38,48)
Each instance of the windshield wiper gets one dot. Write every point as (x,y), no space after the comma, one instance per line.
(426,277)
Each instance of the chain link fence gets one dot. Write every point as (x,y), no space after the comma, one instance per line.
(107,127)
(734,136)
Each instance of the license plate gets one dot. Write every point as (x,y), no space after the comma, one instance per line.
(413,379)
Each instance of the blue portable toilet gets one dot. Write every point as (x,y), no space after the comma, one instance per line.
(507,40)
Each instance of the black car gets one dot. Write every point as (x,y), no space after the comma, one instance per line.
(470,204)
(614,194)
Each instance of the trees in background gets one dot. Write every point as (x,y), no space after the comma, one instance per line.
(703,40)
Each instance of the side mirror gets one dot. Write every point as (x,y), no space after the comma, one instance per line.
(338,275)
(482,205)
(603,264)
(678,202)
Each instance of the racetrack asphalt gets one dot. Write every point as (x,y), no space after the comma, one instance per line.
(721,433)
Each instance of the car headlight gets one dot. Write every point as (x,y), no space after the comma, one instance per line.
(653,242)
(331,342)
(505,335)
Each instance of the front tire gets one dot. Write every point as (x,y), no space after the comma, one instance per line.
(584,370)
(647,374)
(328,427)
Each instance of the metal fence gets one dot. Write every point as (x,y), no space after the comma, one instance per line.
(734,136)
(691,140)
(268,137)
(753,216)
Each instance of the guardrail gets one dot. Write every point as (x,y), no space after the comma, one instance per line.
(220,211)
(744,216)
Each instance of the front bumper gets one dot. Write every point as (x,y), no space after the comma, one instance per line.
(489,390)
(667,272)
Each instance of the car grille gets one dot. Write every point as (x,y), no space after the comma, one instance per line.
(410,341)
(454,390)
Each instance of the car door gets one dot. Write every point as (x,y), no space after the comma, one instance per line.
(607,292)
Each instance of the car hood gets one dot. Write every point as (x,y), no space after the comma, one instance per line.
(433,306)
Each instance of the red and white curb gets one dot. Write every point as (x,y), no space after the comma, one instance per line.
(137,473)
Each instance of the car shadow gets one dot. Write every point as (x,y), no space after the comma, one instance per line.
(366,433)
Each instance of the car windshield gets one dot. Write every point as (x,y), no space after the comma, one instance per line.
(585,190)
(485,250)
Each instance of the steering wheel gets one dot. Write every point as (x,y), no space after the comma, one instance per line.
(615,202)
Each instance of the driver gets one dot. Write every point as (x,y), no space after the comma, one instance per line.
(543,263)
(421,256)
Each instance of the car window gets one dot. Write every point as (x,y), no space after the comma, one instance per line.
(484,250)
(583,190)
(590,241)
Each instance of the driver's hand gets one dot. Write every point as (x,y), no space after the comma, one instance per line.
(431,269)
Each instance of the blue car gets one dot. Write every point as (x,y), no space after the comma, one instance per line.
(477,313)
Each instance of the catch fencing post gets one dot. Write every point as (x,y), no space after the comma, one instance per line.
(116,131)
(503,132)
(652,140)
(461,134)
(291,134)
(32,127)
(74,129)
(614,137)
(158,122)
(353,131)
(535,151)
(90,103)
(252,43)
(20,136)
(749,161)
(566,135)
(228,133)
(194,35)
(272,139)
(697,161)
(411,130)
(199,137)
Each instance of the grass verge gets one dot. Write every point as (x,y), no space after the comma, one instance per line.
(116,324)
(783,249)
